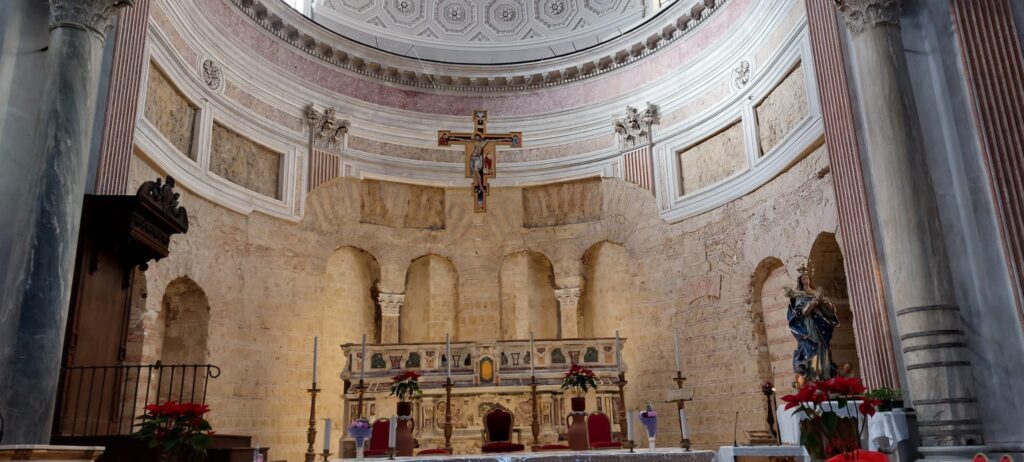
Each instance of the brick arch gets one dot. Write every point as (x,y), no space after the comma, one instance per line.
(826,260)
(527,296)
(768,306)
(431,304)
(606,289)
(352,276)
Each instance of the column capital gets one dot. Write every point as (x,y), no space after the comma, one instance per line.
(390,304)
(93,15)
(861,15)
(568,296)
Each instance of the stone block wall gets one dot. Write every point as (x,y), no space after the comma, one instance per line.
(780,112)
(272,285)
(245,162)
(173,115)
(713,159)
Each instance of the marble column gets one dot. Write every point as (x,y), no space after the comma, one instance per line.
(569,311)
(61,146)
(390,315)
(911,244)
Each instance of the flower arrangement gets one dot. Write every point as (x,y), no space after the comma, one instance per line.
(889,397)
(406,385)
(648,413)
(177,430)
(579,379)
(823,432)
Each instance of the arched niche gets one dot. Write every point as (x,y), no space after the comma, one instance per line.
(775,343)
(185,310)
(826,262)
(528,301)
(352,308)
(431,302)
(606,290)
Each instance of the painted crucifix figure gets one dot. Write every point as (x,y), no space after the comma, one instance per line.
(480,154)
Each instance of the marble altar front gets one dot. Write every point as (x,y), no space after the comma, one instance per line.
(641,455)
(484,375)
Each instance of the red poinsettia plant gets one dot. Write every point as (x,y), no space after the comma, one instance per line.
(579,379)
(406,385)
(823,431)
(178,431)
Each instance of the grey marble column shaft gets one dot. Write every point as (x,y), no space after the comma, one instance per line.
(910,237)
(61,145)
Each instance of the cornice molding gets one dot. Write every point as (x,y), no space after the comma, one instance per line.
(302,33)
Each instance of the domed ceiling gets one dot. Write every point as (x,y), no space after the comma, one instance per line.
(481,31)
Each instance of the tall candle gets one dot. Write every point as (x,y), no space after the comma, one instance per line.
(533,351)
(684,424)
(629,425)
(679,363)
(327,435)
(618,355)
(392,430)
(448,353)
(362,364)
(315,353)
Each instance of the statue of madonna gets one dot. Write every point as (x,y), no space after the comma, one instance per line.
(812,318)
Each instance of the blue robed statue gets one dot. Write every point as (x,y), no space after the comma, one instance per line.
(812,319)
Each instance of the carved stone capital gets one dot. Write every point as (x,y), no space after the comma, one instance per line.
(94,15)
(860,15)
(635,128)
(391,304)
(327,129)
(568,297)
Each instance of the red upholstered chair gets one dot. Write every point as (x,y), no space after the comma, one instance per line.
(379,439)
(979,457)
(497,433)
(599,431)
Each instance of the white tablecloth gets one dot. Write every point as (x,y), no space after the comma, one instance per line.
(729,453)
(891,425)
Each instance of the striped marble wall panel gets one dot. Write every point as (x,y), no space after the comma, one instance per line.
(638,167)
(323,167)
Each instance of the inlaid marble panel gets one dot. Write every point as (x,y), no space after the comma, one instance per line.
(562,203)
(244,162)
(713,159)
(171,112)
(782,110)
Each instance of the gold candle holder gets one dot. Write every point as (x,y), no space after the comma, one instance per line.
(311,432)
(535,419)
(448,414)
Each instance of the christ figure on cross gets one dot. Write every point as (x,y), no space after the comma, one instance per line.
(480,151)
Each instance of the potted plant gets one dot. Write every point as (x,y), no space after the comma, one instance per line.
(578,380)
(360,429)
(823,431)
(177,431)
(890,398)
(649,417)
(405,386)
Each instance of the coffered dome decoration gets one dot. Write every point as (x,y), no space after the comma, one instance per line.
(481,31)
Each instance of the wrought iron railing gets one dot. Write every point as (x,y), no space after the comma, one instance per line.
(105,400)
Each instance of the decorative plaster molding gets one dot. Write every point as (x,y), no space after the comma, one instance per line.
(635,128)
(212,74)
(306,35)
(328,131)
(741,75)
(861,15)
(95,15)
(391,304)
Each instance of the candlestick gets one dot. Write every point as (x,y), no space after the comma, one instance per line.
(448,353)
(327,435)
(684,425)
(629,425)
(315,354)
(618,355)
(311,432)
(362,363)
(623,418)
(392,432)
(533,351)
(535,417)
(448,414)
(679,363)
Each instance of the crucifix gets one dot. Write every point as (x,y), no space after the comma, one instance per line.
(480,151)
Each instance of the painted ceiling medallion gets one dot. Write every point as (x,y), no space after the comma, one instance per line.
(455,16)
(505,17)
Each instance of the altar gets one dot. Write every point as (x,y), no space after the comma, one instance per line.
(641,455)
(484,375)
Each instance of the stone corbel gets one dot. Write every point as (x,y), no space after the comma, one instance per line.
(93,15)
(861,15)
